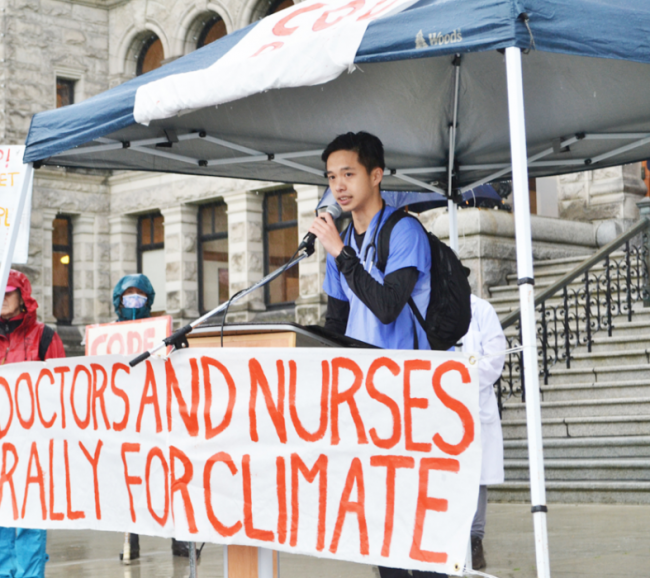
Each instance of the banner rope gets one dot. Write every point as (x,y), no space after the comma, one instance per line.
(473,359)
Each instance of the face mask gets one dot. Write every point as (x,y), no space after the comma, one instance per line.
(134,301)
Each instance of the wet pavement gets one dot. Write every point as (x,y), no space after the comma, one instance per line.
(586,540)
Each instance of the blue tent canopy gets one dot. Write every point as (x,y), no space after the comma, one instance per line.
(586,79)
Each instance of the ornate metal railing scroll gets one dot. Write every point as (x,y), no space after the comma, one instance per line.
(581,304)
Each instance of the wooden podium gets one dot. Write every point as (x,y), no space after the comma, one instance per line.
(249,561)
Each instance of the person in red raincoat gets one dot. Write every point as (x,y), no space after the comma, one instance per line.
(20,332)
(22,551)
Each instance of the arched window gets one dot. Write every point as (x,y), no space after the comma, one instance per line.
(268,7)
(150,56)
(277,5)
(213,29)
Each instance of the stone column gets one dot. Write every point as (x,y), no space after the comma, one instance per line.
(181,263)
(45,299)
(608,194)
(312,303)
(123,242)
(83,263)
(246,252)
(104,311)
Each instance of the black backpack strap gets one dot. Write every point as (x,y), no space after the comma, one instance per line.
(383,243)
(383,250)
(46,341)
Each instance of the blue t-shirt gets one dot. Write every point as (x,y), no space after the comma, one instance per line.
(409,247)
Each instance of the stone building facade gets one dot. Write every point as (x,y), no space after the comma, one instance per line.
(84,47)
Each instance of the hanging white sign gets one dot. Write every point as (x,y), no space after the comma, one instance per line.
(12,177)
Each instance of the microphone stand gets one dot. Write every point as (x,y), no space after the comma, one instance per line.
(178,339)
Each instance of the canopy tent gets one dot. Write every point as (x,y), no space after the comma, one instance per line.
(439,81)
(582,112)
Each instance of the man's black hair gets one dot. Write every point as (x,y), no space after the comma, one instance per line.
(369,148)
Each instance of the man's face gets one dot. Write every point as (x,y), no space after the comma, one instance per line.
(350,182)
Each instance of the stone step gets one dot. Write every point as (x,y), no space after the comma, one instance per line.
(545,281)
(607,469)
(619,342)
(619,492)
(560,267)
(604,390)
(508,297)
(559,376)
(584,448)
(622,330)
(581,427)
(584,408)
(607,358)
(640,314)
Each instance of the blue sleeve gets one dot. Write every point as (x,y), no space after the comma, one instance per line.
(332,284)
(409,247)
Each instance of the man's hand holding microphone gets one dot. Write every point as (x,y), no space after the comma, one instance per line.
(324,228)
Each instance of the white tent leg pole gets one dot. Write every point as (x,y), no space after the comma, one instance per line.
(452,209)
(5,265)
(527,304)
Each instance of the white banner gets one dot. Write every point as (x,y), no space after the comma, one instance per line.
(307,44)
(345,454)
(12,175)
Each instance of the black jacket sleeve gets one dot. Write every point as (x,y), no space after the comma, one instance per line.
(336,318)
(385,301)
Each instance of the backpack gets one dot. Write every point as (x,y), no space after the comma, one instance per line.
(46,340)
(449,311)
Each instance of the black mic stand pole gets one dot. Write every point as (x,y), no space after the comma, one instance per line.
(179,338)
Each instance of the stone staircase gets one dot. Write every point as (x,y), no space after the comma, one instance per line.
(595,415)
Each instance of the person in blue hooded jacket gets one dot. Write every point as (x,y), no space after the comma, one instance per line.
(133,298)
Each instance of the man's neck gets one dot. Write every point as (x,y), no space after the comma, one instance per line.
(362,216)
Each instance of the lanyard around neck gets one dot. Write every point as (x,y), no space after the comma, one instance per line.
(373,243)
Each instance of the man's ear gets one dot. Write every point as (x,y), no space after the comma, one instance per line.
(376,175)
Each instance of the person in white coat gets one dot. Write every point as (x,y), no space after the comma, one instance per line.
(485,338)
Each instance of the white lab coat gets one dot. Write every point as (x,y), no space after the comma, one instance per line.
(485,337)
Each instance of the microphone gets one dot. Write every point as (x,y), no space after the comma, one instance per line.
(308,242)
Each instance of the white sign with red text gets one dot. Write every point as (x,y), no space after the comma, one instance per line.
(12,176)
(127,337)
(310,43)
(353,455)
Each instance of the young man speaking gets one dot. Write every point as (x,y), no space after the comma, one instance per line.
(364,302)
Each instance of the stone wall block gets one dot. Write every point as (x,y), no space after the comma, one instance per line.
(255,231)
(115,251)
(173,300)
(308,315)
(190,271)
(191,300)
(172,243)
(237,262)
(309,284)
(236,232)
(189,243)
(172,273)
(256,261)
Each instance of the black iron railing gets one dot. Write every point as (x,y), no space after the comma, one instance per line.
(581,304)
